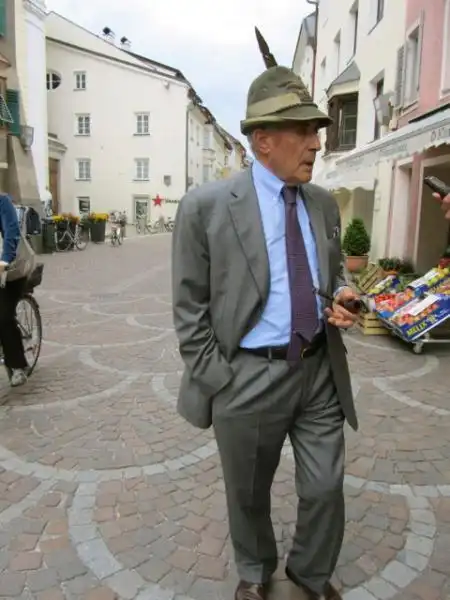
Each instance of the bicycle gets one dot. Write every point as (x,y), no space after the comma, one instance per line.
(143,226)
(67,239)
(29,320)
(116,234)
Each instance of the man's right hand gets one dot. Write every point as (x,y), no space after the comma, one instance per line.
(445,204)
(3,266)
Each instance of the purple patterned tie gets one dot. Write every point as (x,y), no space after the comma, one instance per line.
(305,320)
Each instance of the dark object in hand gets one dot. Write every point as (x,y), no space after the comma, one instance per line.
(438,186)
(354,305)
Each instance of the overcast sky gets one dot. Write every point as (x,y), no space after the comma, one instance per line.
(211,41)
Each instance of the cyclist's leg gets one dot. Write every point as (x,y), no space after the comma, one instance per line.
(10,336)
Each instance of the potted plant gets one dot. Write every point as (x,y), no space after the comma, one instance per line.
(356,246)
(97,225)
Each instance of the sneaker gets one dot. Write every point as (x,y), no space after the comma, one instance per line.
(18,377)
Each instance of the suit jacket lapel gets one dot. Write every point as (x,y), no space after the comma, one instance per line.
(317,220)
(246,218)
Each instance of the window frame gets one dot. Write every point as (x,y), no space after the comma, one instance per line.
(143,164)
(78,121)
(88,162)
(49,78)
(83,77)
(445,70)
(411,78)
(334,136)
(84,199)
(140,118)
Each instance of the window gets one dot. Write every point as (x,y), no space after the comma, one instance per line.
(206,138)
(80,80)
(13,104)
(205,173)
(53,80)
(84,204)
(341,134)
(412,66)
(379,89)
(83,124)
(3,17)
(83,169)
(143,124)
(142,169)
(446,53)
(198,135)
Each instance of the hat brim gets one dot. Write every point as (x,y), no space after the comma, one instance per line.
(294,114)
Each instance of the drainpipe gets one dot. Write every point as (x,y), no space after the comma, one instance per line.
(186,183)
(316,29)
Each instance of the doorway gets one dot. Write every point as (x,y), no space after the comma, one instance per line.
(141,208)
(53,170)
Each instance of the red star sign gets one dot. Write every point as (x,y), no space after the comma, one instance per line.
(157,201)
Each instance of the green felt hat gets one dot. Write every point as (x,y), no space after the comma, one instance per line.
(279,96)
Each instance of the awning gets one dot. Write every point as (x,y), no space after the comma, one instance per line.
(334,178)
(429,132)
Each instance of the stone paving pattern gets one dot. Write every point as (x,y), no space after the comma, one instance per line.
(106,493)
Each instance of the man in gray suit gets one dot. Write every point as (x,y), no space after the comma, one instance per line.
(263,352)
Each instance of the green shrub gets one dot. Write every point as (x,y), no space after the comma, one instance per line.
(356,240)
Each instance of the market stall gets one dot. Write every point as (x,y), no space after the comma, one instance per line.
(413,312)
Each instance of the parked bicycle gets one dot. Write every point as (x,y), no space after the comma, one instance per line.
(116,235)
(69,238)
(159,226)
(142,225)
(29,320)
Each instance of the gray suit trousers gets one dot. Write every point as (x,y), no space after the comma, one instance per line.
(266,402)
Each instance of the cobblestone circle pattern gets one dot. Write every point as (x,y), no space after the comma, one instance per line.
(106,493)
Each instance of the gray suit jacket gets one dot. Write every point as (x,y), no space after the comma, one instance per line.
(220,279)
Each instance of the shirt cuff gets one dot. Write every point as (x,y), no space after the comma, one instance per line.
(343,287)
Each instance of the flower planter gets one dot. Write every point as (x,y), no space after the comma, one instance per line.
(98,232)
(356,264)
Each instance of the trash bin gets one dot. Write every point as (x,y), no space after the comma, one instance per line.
(48,236)
(98,232)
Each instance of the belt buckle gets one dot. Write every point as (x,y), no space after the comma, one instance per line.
(304,352)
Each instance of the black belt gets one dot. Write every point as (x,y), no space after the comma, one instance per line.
(280,352)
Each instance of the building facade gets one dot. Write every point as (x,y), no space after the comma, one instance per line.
(354,74)
(125,132)
(419,143)
(22,133)
(303,63)
(121,121)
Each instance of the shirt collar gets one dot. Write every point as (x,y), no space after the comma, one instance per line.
(266,179)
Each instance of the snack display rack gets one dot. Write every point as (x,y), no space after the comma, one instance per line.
(415,312)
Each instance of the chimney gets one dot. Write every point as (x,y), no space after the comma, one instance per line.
(125,43)
(109,35)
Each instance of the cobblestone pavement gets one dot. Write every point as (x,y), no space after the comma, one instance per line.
(106,493)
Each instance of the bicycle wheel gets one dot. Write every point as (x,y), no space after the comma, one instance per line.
(120,237)
(29,321)
(81,238)
(113,238)
(62,241)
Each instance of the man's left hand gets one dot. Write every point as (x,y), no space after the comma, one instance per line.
(338,315)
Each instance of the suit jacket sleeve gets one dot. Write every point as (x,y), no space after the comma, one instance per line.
(198,345)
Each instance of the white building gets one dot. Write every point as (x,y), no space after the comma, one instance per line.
(122,121)
(358,42)
(303,62)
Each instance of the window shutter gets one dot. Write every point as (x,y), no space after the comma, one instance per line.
(400,77)
(13,102)
(2,17)
(419,49)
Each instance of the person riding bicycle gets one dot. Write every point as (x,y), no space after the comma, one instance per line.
(10,336)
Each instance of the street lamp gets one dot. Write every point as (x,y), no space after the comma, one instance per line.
(26,136)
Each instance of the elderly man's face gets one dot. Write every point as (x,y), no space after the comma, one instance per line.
(289,151)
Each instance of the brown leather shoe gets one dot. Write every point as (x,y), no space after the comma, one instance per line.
(331,593)
(251,591)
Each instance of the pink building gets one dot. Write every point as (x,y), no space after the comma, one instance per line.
(426,98)
(408,222)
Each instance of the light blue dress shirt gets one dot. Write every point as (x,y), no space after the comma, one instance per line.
(274,327)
